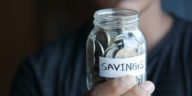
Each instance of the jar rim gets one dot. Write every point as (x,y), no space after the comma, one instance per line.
(115,18)
(127,14)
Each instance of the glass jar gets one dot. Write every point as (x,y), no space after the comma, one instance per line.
(115,47)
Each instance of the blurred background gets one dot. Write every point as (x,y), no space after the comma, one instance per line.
(26,25)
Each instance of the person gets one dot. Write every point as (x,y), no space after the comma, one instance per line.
(59,69)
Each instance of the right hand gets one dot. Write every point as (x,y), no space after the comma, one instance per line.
(124,86)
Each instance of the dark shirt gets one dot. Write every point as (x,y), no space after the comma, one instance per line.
(60,68)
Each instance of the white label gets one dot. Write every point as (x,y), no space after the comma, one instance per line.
(117,67)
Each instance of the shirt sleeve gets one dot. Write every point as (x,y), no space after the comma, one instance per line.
(26,82)
(39,74)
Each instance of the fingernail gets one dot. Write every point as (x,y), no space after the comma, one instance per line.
(148,86)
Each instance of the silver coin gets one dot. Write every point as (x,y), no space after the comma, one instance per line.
(98,52)
(103,38)
(119,37)
(126,52)
(111,52)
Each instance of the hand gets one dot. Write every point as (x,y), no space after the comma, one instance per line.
(124,86)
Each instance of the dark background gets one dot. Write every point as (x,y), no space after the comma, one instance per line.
(26,25)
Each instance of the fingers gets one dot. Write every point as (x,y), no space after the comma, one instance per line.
(115,87)
(145,89)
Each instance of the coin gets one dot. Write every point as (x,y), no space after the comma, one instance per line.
(103,38)
(126,52)
(98,52)
(111,52)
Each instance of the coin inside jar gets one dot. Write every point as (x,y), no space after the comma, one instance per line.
(111,52)
(126,52)
(113,34)
(98,52)
(103,38)
(99,49)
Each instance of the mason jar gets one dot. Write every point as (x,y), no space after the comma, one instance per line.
(115,47)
